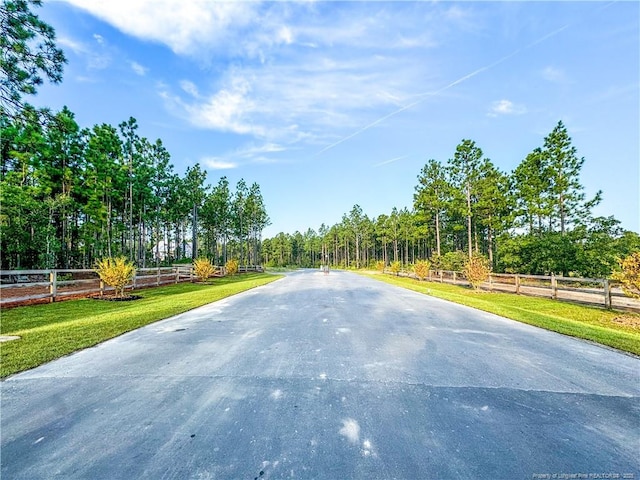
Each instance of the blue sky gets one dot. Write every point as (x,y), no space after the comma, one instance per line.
(329,104)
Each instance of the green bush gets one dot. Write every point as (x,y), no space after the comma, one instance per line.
(116,272)
(453,261)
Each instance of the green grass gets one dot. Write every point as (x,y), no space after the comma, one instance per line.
(612,328)
(53,330)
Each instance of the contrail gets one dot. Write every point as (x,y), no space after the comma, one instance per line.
(390,161)
(425,96)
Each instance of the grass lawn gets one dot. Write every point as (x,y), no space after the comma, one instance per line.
(620,330)
(53,330)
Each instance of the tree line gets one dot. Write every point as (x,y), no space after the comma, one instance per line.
(73,195)
(533,220)
(70,196)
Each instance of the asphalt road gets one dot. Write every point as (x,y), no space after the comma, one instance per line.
(327,377)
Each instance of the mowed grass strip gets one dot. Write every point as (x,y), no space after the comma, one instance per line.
(620,330)
(53,330)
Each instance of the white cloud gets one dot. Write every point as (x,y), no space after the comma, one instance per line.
(301,99)
(138,69)
(183,26)
(251,153)
(215,163)
(227,109)
(265,154)
(285,35)
(76,47)
(98,57)
(253,150)
(190,88)
(554,75)
(506,107)
(290,74)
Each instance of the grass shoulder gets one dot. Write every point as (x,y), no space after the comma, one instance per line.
(619,330)
(53,330)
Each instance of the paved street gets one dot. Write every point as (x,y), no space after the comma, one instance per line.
(327,377)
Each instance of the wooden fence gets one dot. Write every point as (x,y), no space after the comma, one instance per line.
(592,291)
(41,286)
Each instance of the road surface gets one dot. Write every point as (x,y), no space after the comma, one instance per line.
(327,377)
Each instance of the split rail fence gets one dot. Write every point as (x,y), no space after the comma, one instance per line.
(41,286)
(592,291)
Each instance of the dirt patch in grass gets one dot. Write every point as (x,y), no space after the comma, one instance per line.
(632,321)
(113,298)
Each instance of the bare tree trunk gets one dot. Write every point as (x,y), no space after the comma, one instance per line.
(438,232)
(490,239)
(469,220)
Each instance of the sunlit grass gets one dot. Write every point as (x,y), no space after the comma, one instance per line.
(53,330)
(612,328)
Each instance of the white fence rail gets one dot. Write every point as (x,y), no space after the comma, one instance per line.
(591,291)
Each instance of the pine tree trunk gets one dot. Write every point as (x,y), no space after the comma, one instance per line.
(438,233)
(469,220)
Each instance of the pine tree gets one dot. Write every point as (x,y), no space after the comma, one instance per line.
(464,168)
(432,194)
(566,194)
(27,53)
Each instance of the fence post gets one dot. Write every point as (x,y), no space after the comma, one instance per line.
(101,288)
(607,294)
(441,276)
(454,278)
(490,283)
(517,284)
(158,277)
(554,287)
(53,285)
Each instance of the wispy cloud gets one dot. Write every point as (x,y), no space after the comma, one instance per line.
(425,96)
(506,107)
(290,75)
(253,150)
(190,88)
(97,56)
(554,74)
(305,98)
(287,76)
(215,163)
(629,91)
(138,69)
(250,153)
(228,109)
